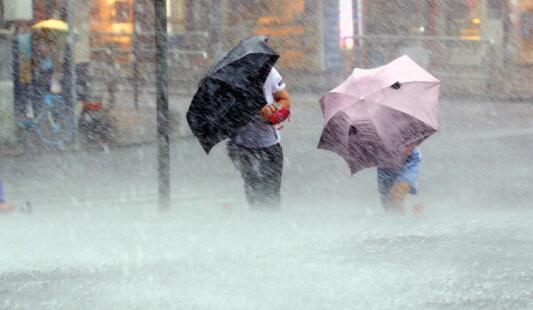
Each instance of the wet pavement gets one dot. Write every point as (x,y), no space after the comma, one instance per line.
(95,239)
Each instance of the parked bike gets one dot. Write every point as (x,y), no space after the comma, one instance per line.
(53,125)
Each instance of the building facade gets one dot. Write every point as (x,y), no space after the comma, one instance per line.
(482,40)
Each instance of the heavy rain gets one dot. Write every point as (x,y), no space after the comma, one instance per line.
(266,154)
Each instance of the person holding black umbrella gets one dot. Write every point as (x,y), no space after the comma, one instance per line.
(256,151)
(243,98)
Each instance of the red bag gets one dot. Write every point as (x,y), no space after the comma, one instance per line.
(279,116)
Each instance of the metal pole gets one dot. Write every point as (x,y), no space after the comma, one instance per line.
(215,26)
(2,22)
(360,31)
(162,103)
(135,49)
(15,53)
(70,81)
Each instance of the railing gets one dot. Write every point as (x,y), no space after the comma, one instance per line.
(129,59)
(444,56)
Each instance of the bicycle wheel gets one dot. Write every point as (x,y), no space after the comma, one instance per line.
(55,128)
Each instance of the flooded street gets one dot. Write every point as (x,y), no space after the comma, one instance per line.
(95,239)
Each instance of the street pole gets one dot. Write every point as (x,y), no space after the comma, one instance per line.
(215,26)
(15,53)
(360,31)
(135,50)
(161,72)
(70,74)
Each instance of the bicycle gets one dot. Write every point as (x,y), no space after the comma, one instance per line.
(53,126)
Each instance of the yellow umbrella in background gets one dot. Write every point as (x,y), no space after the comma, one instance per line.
(52,30)
(51,24)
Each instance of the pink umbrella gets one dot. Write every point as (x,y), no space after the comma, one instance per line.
(377,116)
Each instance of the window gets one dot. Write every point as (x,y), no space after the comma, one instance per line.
(397,17)
(121,13)
(464,19)
(522,22)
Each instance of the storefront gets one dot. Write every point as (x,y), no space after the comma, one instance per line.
(521,17)
(117,22)
(294,29)
(463,42)
(111,24)
(431,23)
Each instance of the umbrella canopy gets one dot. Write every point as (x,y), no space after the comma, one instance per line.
(51,24)
(231,93)
(377,115)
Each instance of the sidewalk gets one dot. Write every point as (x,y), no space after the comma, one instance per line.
(134,126)
(476,141)
(138,126)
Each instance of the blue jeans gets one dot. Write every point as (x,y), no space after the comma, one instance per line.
(387,177)
(261,170)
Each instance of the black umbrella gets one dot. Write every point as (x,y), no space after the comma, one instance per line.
(231,93)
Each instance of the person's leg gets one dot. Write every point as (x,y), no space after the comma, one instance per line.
(271,169)
(386,179)
(4,207)
(406,181)
(245,161)
(397,195)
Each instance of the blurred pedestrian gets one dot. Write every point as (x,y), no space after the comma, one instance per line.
(256,149)
(243,98)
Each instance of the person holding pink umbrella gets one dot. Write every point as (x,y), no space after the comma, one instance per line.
(377,118)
